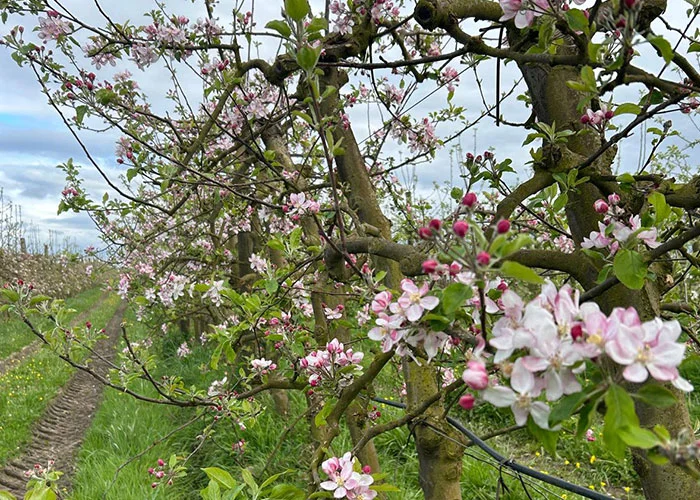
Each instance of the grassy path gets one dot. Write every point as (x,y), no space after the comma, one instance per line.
(58,435)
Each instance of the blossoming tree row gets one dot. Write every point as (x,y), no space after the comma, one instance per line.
(253,215)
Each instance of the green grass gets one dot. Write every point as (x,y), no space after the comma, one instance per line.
(124,427)
(14,334)
(26,390)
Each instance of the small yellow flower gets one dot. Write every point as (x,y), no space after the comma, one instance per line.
(591,487)
(627,489)
(564,496)
(537,453)
(578,465)
(602,484)
(592,459)
(566,462)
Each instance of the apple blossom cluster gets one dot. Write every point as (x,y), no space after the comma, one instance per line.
(298,205)
(597,119)
(263,366)
(398,323)
(615,230)
(344,481)
(553,336)
(53,27)
(524,12)
(326,364)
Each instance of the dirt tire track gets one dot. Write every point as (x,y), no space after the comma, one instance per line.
(16,358)
(60,432)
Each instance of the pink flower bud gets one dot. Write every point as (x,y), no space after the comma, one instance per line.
(429,266)
(161,462)
(470,157)
(367,469)
(435,224)
(503,226)
(629,3)
(467,401)
(614,199)
(483,258)
(460,228)
(609,114)
(469,200)
(601,206)
(425,233)
(585,119)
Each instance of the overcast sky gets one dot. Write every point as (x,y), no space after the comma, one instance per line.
(33,139)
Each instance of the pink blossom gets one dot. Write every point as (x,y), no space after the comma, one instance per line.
(476,376)
(649,350)
(387,330)
(413,301)
(523,12)
(381,302)
(520,397)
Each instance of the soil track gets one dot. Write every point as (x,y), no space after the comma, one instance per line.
(16,358)
(60,432)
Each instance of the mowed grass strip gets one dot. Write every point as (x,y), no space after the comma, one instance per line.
(26,390)
(14,334)
(124,427)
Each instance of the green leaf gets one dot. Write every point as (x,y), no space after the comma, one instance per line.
(662,432)
(630,269)
(560,202)
(518,271)
(80,114)
(6,495)
(627,108)
(638,437)
(287,492)
(656,395)
(625,178)
(10,295)
(577,20)
(663,45)
(271,286)
(588,78)
(548,439)
(317,24)
(211,492)
(620,413)
(280,27)
(320,418)
(384,487)
(657,458)
(694,47)
(220,476)
(249,480)
(661,208)
(307,58)
(566,407)
(454,297)
(297,9)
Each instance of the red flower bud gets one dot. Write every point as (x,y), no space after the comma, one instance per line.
(503,226)
(467,401)
(483,258)
(430,266)
(435,224)
(630,3)
(460,228)
(469,200)
(601,206)
(425,233)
